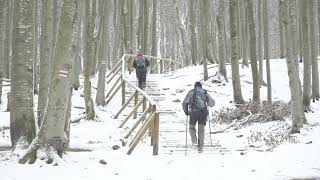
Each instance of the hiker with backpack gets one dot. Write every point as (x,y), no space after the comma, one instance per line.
(141,63)
(195,104)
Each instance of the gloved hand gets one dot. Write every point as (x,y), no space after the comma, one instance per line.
(186,112)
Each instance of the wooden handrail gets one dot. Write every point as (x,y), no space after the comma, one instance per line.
(142,117)
(131,113)
(140,134)
(115,73)
(124,106)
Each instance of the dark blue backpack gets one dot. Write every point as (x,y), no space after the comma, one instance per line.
(198,100)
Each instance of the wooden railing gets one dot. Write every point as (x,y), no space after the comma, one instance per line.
(150,117)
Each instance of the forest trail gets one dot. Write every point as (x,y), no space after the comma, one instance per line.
(172,132)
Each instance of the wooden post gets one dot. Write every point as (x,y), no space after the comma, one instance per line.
(123,92)
(154,109)
(124,106)
(161,66)
(151,116)
(144,105)
(136,98)
(143,116)
(156,134)
(140,135)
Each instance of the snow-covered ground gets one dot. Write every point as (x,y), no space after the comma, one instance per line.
(245,159)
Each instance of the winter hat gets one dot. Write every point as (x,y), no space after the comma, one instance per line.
(197,84)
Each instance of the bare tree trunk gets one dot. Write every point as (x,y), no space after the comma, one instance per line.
(52,136)
(244,27)
(154,41)
(100,98)
(234,36)
(306,56)
(282,28)
(193,37)
(36,56)
(204,34)
(266,48)
(183,36)
(293,72)
(88,58)
(314,53)
(46,55)
(222,57)
(2,35)
(145,27)
(260,55)
(22,126)
(7,38)
(253,56)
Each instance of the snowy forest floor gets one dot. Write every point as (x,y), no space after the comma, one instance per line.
(255,151)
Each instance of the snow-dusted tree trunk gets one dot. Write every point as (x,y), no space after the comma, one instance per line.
(52,136)
(293,72)
(154,38)
(100,98)
(244,28)
(193,36)
(306,55)
(266,48)
(22,126)
(204,34)
(7,38)
(282,32)
(260,43)
(36,56)
(314,52)
(183,35)
(253,56)
(88,57)
(222,57)
(145,27)
(2,35)
(46,53)
(234,35)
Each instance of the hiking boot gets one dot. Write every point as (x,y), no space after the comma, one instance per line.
(200,150)
(194,146)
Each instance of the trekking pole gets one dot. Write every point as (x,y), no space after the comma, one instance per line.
(210,132)
(186,136)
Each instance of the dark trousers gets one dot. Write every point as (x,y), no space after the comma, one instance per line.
(141,76)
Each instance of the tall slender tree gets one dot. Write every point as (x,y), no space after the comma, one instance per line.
(222,57)
(22,126)
(154,41)
(234,35)
(253,55)
(53,134)
(314,53)
(88,57)
(46,55)
(266,48)
(100,98)
(306,55)
(2,35)
(297,113)
(193,36)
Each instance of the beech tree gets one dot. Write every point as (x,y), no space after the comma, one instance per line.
(54,131)
(22,126)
